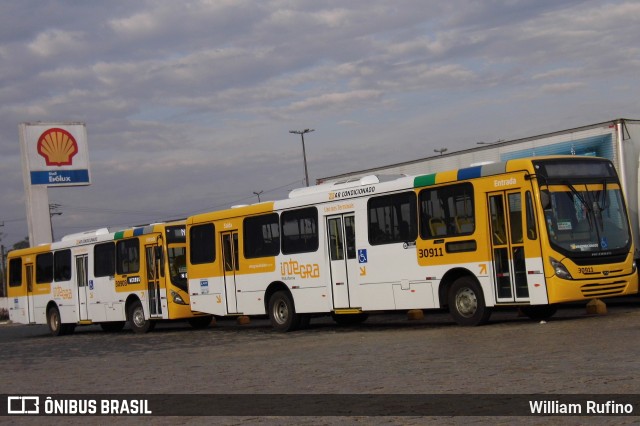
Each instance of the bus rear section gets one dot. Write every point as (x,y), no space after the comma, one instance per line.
(135,276)
(24,295)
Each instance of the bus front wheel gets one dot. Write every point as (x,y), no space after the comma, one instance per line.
(466,302)
(137,320)
(282,312)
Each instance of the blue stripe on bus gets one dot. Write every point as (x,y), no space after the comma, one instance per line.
(138,231)
(469,173)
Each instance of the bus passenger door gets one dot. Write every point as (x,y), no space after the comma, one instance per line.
(230,266)
(30,309)
(82,280)
(341,239)
(153,255)
(508,248)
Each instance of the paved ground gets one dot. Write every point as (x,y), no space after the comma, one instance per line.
(573,353)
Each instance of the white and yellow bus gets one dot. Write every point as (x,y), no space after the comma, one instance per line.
(528,233)
(136,275)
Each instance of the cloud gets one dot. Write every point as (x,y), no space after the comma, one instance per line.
(56,42)
(330,100)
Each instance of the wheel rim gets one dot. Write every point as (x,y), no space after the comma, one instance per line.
(280,312)
(55,321)
(138,317)
(466,302)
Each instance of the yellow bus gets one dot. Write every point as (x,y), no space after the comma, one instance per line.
(527,233)
(136,275)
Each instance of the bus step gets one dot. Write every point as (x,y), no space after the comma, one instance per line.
(349,311)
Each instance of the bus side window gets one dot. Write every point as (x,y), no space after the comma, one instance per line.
(392,218)
(62,265)
(447,211)
(15,272)
(104,263)
(44,268)
(128,256)
(532,234)
(261,236)
(202,244)
(299,230)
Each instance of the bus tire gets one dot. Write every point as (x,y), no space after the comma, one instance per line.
(200,322)
(137,321)
(54,322)
(539,312)
(466,302)
(282,312)
(112,327)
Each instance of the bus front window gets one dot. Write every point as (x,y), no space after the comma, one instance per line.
(586,217)
(178,267)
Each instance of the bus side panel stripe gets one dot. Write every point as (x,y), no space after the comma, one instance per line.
(469,173)
(493,169)
(138,232)
(118,235)
(425,180)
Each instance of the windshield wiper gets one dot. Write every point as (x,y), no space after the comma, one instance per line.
(582,200)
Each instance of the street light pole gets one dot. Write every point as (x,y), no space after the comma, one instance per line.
(258,194)
(304,154)
(53,212)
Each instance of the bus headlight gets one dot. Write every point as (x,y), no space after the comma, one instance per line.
(634,267)
(177,298)
(560,270)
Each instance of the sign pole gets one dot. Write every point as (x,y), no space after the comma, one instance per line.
(53,154)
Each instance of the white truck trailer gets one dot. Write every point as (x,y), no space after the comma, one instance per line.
(618,140)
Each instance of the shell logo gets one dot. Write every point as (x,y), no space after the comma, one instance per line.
(58,147)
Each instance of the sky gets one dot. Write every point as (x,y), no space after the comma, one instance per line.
(188,105)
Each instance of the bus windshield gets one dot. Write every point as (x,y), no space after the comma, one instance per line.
(178,267)
(585,217)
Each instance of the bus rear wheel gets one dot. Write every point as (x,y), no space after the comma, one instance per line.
(137,320)
(54,322)
(466,302)
(282,312)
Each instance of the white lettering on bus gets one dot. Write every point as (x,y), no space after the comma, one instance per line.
(504,182)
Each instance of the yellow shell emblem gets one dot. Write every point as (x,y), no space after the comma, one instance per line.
(58,147)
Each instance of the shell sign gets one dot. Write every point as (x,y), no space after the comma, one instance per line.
(55,154)
(58,147)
